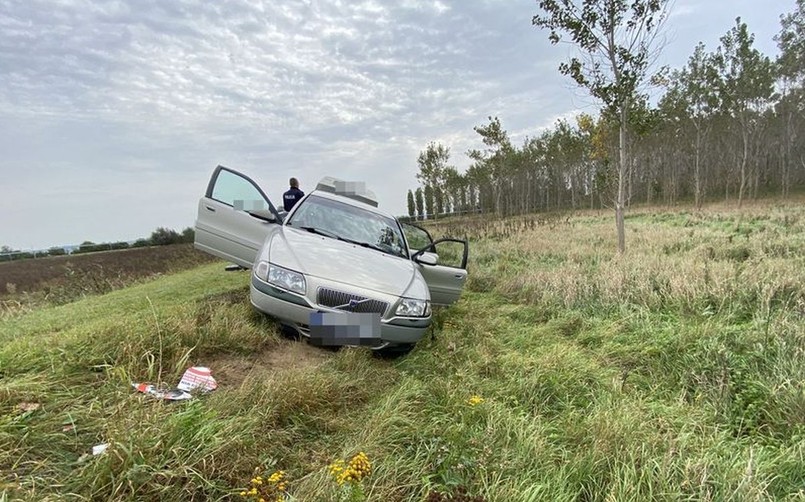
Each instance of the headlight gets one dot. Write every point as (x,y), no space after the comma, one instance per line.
(408,307)
(282,277)
(262,271)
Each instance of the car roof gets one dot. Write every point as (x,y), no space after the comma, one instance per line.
(353,189)
(352,202)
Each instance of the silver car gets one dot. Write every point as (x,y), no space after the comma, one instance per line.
(335,268)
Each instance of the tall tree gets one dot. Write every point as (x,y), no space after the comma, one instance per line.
(411,205)
(791,69)
(432,162)
(791,41)
(616,39)
(438,200)
(454,185)
(693,99)
(420,205)
(748,84)
(490,164)
(594,134)
(429,201)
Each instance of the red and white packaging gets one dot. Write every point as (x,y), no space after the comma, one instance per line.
(161,393)
(197,378)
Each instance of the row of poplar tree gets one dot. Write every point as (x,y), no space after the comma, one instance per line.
(728,125)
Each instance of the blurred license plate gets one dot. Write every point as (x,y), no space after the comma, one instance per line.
(347,328)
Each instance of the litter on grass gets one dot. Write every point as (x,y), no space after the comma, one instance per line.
(197,378)
(96,450)
(166,394)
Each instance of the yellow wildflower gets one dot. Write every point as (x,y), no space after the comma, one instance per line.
(352,472)
(475,400)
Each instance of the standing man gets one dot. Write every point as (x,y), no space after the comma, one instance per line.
(293,195)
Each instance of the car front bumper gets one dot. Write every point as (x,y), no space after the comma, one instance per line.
(295,310)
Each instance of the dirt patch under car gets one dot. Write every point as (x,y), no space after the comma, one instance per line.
(232,370)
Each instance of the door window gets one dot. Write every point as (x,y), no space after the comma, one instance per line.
(451,253)
(238,192)
(417,237)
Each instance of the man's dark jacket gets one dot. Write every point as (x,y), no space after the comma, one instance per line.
(291,197)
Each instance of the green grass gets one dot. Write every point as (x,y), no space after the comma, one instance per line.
(671,373)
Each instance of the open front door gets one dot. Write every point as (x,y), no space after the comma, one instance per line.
(443,263)
(234,217)
(447,276)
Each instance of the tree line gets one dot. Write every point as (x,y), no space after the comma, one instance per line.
(726,126)
(160,237)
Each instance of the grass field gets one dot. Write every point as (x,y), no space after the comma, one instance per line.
(566,372)
(55,280)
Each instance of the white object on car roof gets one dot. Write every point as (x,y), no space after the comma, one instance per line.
(355,190)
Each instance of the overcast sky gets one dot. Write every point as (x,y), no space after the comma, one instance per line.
(113,114)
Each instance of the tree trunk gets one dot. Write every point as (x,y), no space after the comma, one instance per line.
(649,183)
(619,205)
(697,177)
(744,158)
(528,194)
(786,156)
(629,175)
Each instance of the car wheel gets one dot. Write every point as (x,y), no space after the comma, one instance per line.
(290,332)
(394,351)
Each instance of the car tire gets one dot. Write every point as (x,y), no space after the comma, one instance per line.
(290,332)
(394,351)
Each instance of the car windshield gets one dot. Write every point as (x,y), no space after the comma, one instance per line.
(349,223)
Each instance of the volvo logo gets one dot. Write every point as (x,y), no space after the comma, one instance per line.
(352,304)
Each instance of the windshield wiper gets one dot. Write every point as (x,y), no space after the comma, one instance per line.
(360,243)
(319,231)
(327,233)
(368,245)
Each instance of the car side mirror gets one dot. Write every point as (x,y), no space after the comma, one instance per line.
(263,214)
(426,258)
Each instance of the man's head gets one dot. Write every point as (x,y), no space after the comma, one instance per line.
(294,183)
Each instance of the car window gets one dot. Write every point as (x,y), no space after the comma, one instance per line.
(417,238)
(238,192)
(450,253)
(351,223)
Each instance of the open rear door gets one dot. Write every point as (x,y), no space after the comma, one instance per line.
(234,217)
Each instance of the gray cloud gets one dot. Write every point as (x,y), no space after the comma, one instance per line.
(113,114)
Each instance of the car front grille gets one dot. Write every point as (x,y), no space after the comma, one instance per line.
(332,298)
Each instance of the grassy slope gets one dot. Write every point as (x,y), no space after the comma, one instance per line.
(56,280)
(673,372)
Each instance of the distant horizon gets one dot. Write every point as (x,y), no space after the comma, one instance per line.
(66,247)
(76,246)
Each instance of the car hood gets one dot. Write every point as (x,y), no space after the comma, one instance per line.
(340,261)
